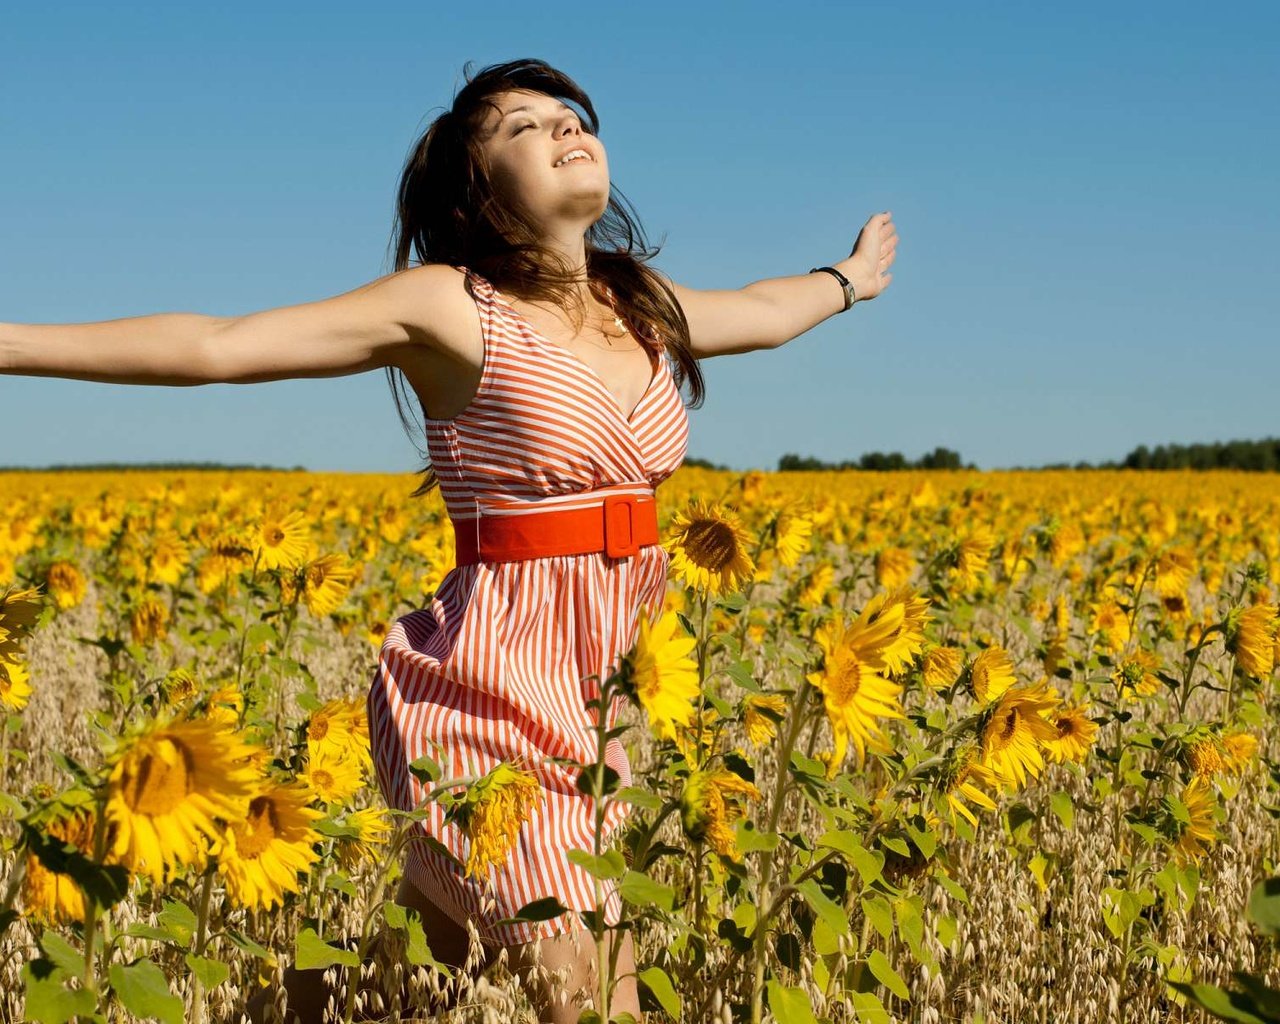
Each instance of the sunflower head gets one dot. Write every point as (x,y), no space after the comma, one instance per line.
(710,804)
(492,813)
(708,548)
(661,675)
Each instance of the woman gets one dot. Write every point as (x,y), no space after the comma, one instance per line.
(532,336)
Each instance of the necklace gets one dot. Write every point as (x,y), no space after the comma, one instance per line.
(617,319)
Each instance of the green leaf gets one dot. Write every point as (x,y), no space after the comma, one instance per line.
(178,921)
(311,952)
(1061,805)
(1234,1006)
(926,842)
(608,866)
(211,973)
(880,914)
(751,841)
(640,889)
(886,975)
(1264,905)
(242,941)
(868,1007)
(62,953)
(867,863)
(742,673)
(659,985)
(426,769)
(825,907)
(260,633)
(143,991)
(954,888)
(410,922)
(790,1005)
(641,798)
(48,1000)
(537,910)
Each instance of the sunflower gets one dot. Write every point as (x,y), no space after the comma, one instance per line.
(333,777)
(1110,620)
(905,644)
(1193,837)
(1238,751)
(65,584)
(281,540)
(791,531)
(696,739)
(372,829)
(19,610)
(940,667)
(167,786)
(664,677)
(322,584)
(340,729)
(1013,731)
(969,557)
(854,687)
(761,714)
(1203,757)
(817,586)
(15,686)
(1251,637)
(492,813)
(225,704)
(1135,676)
(168,558)
(991,673)
(894,567)
(1173,571)
(49,896)
(710,804)
(179,686)
(709,548)
(259,857)
(1076,733)
(960,781)
(149,620)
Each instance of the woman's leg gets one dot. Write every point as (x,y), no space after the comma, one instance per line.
(559,974)
(449,942)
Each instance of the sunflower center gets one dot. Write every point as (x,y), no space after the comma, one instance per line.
(321,779)
(710,544)
(318,729)
(259,829)
(846,678)
(275,536)
(159,780)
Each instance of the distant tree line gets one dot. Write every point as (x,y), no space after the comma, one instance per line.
(939,458)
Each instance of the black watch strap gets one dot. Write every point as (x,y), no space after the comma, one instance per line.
(849,297)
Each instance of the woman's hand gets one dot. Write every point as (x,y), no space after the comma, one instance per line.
(867,267)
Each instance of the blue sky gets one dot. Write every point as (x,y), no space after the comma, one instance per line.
(1085,196)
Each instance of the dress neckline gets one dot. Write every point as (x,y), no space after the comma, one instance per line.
(627,418)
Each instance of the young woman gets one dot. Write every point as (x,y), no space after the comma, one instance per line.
(532,336)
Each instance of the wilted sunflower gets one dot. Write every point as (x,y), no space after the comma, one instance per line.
(373,830)
(940,667)
(1203,756)
(49,896)
(1014,730)
(1251,637)
(1194,837)
(1076,733)
(760,714)
(854,687)
(710,804)
(1136,675)
(991,673)
(259,858)
(960,781)
(708,548)
(166,787)
(665,678)
(905,644)
(1238,751)
(65,583)
(281,540)
(15,686)
(492,813)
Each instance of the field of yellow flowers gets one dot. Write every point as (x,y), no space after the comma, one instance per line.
(918,747)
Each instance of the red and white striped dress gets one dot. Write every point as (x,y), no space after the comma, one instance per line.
(496,666)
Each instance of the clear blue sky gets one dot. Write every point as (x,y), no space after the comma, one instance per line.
(1085,196)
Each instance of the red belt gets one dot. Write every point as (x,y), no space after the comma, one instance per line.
(619,526)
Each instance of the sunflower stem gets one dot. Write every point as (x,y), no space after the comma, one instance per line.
(91,904)
(202,930)
(766,869)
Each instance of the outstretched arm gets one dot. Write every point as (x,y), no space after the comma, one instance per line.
(769,313)
(363,329)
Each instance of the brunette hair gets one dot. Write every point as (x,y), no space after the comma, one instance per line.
(447,212)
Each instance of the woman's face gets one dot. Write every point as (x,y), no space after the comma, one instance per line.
(523,140)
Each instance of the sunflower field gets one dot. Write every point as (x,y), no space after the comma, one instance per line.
(912,746)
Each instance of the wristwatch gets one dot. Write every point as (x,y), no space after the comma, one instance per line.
(849,297)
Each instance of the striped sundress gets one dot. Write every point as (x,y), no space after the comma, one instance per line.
(497,665)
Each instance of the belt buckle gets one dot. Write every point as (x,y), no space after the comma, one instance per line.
(619,526)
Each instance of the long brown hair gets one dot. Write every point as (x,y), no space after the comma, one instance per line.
(447,212)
